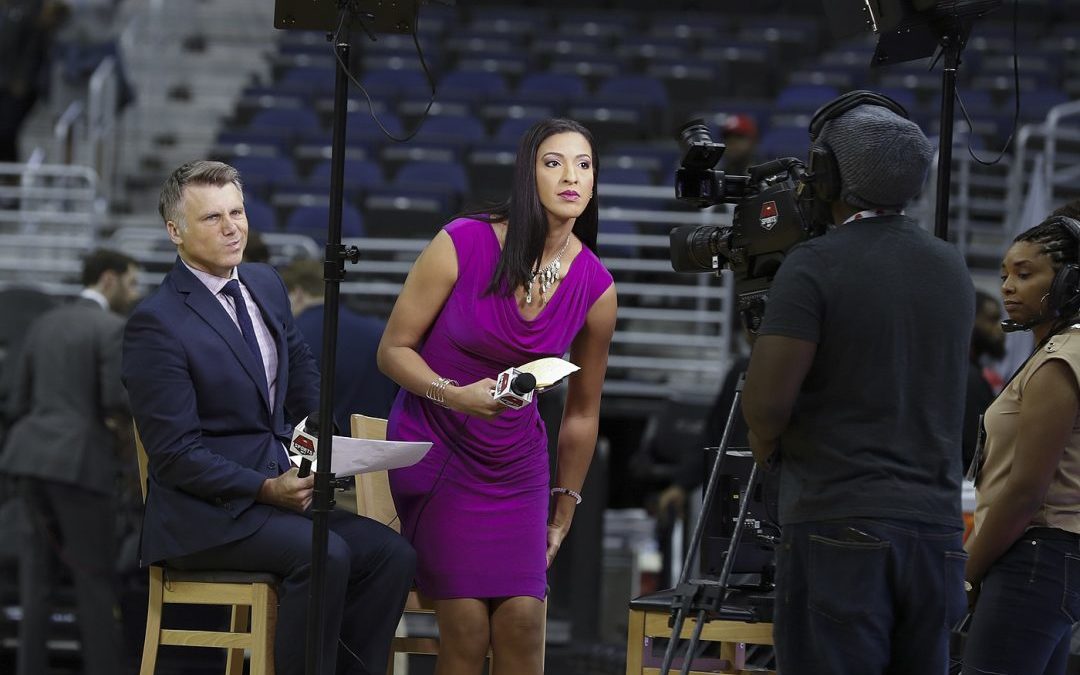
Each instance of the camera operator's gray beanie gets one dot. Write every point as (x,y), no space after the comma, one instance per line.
(883,158)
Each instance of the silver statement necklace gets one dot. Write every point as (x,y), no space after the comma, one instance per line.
(547,276)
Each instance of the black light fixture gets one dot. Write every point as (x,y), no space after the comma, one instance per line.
(907,29)
(378,16)
(915,29)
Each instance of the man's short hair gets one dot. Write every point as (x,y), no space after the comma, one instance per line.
(104,260)
(199,172)
(305,274)
(883,157)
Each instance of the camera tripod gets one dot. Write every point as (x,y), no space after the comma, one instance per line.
(706,597)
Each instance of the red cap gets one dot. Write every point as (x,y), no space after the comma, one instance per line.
(740,125)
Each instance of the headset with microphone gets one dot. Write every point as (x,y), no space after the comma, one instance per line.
(820,185)
(1063,298)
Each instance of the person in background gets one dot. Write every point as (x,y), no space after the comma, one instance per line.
(1023,569)
(855,393)
(497,289)
(740,134)
(66,398)
(359,385)
(987,345)
(257,251)
(218,373)
(27,31)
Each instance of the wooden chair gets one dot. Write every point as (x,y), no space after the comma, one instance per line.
(373,499)
(649,617)
(252,596)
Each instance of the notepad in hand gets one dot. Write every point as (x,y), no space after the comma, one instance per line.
(548,371)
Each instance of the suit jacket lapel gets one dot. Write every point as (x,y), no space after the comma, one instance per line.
(209,309)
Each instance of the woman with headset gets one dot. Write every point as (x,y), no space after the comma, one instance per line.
(1023,573)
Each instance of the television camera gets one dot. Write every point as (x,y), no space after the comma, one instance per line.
(768,218)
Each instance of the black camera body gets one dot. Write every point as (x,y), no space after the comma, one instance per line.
(768,218)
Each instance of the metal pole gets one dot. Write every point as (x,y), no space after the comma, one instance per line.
(951,45)
(334,272)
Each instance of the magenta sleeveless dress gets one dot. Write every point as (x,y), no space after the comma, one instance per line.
(476,507)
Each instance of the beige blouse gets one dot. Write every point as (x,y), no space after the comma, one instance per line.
(1061,507)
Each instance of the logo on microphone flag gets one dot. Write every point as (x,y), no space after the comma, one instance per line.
(302,445)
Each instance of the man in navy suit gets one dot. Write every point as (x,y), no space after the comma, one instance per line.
(360,387)
(217,373)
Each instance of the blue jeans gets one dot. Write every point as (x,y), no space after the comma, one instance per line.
(862,597)
(1027,605)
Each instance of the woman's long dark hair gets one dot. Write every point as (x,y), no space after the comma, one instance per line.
(524,214)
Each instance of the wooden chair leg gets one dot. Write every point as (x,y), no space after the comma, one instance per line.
(262,642)
(153,623)
(635,642)
(239,623)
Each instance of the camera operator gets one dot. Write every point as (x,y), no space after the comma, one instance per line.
(855,391)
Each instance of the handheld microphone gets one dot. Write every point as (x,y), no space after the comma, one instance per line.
(305,442)
(514,389)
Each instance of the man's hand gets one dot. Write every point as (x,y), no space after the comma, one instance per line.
(288,491)
(671,504)
(763,450)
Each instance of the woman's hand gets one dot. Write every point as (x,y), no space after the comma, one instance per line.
(475,399)
(555,535)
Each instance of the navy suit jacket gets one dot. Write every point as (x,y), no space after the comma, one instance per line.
(359,386)
(200,402)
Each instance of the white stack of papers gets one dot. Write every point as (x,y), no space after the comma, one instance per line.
(351,456)
(548,371)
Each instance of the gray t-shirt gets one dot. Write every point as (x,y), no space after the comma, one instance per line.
(877,425)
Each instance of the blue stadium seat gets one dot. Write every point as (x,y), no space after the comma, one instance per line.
(471,85)
(306,80)
(393,84)
(509,63)
(785,142)
(689,25)
(634,89)
(260,173)
(286,121)
(360,174)
(447,177)
(260,215)
(804,98)
(556,88)
(362,129)
(313,221)
(510,130)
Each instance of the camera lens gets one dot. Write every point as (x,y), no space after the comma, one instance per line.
(694,131)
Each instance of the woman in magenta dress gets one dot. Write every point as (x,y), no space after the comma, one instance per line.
(517,283)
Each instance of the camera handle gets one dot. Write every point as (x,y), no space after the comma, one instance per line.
(700,595)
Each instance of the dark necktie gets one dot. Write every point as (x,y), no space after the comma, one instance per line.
(232,289)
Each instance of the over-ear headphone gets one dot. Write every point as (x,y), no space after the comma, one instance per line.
(821,183)
(1063,300)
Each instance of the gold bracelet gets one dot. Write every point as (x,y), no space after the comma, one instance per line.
(436,391)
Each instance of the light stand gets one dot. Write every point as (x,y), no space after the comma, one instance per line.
(951,46)
(914,29)
(334,18)
(333,274)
